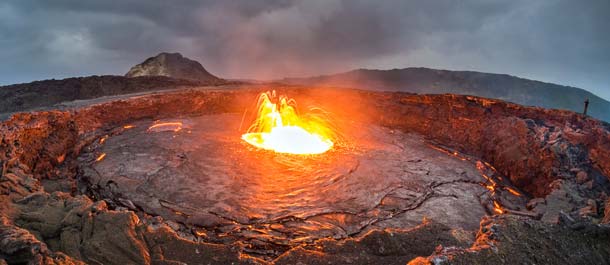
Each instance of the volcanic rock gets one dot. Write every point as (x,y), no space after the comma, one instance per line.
(88,231)
(588,185)
(19,246)
(589,210)
(515,240)
(527,147)
(533,203)
(556,202)
(582,177)
(606,219)
(172,65)
(377,247)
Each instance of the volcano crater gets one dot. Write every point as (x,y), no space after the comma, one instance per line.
(175,163)
(198,172)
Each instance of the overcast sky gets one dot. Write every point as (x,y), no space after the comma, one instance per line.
(559,41)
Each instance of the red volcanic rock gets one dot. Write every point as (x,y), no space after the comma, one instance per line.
(526,144)
(35,142)
(581,177)
(606,219)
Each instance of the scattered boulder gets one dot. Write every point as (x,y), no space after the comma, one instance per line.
(533,203)
(589,210)
(582,177)
(556,203)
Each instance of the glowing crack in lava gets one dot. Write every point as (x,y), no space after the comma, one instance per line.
(279,127)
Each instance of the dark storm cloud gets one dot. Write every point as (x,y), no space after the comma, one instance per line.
(560,41)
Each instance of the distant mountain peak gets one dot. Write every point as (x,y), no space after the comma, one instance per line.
(172,65)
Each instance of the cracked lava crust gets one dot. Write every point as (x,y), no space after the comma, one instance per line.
(197,171)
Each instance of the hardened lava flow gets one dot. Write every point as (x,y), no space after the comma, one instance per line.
(216,176)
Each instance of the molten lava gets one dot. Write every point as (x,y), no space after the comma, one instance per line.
(279,127)
(165,126)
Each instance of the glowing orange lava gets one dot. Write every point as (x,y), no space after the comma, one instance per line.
(498,208)
(279,127)
(100,157)
(165,126)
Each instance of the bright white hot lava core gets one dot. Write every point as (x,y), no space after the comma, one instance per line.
(278,127)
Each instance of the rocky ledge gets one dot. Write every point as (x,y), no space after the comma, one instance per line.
(560,159)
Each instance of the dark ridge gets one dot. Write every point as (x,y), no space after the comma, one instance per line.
(28,96)
(501,86)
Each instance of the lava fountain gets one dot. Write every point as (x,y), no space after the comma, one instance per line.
(279,127)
